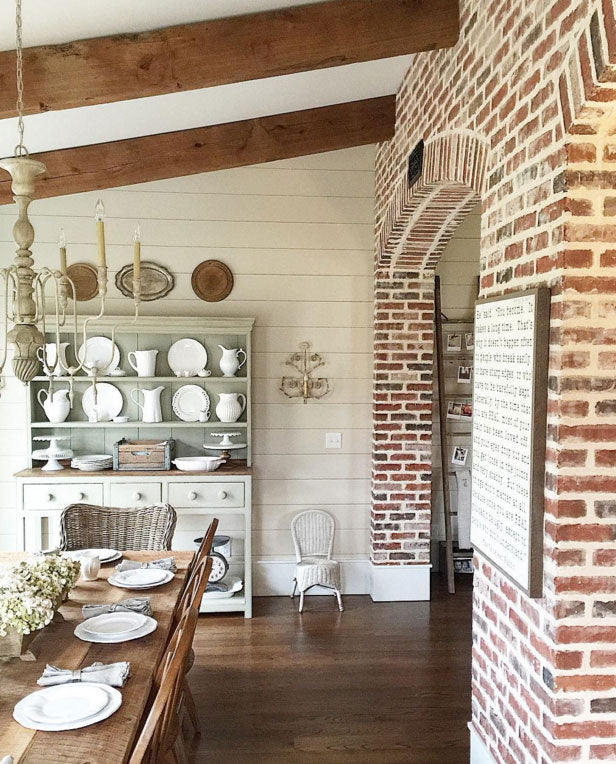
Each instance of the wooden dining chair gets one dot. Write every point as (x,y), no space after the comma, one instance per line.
(204,549)
(84,526)
(160,740)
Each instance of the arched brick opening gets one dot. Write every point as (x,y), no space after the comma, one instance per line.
(537,80)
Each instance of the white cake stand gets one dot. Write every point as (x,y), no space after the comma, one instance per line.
(53,452)
(225,445)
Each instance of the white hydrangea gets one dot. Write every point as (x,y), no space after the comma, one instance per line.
(30,592)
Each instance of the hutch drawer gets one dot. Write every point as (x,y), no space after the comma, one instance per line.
(134,494)
(206,494)
(59,495)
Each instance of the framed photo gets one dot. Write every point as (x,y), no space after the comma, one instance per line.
(459,455)
(509,434)
(454,409)
(469,340)
(465,375)
(454,343)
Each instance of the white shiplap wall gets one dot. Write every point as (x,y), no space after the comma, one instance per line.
(298,236)
(459,270)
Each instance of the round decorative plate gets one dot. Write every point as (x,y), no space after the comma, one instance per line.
(189,401)
(212,281)
(109,399)
(85,280)
(187,355)
(100,352)
(156,281)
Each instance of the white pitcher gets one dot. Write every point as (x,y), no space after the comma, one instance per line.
(150,409)
(55,405)
(54,362)
(230,360)
(229,408)
(144,363)
(90,566)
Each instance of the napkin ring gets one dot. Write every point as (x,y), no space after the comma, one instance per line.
(76,675)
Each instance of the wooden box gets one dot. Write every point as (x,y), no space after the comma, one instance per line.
(143,454)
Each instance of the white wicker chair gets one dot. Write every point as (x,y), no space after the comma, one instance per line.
(313,538)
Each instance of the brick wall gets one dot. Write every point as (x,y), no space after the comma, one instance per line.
(521,113)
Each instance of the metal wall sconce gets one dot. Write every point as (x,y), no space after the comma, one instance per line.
(305,386)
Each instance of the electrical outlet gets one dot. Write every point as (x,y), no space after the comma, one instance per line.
(333,440)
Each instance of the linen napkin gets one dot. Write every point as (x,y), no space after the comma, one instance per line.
(136,604)
(166,563)
(114,674)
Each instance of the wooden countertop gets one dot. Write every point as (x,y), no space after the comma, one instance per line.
(231,468)
(57,645)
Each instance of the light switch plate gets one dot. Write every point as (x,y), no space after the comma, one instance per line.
(333,440)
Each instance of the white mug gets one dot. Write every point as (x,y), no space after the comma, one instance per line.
(144,363)
(90,566)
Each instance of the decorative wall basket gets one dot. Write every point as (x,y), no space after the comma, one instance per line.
(85,280)
(212,281)
(156,281)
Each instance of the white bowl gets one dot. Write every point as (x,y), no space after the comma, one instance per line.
(198,463)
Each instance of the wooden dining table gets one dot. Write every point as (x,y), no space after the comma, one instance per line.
(109,741)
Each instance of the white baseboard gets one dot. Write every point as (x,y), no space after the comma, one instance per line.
(479,752)
(272,578)
(392,583)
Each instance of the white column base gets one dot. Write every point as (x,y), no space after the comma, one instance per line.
(479,752)
(393,583)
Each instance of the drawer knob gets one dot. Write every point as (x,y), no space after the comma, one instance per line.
(222,495)
(136,496)
(50,497)
(80,496)
(192,495)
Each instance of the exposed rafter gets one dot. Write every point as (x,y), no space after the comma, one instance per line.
(220,51)
(218,147)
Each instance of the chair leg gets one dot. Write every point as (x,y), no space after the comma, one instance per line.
(301,601)
(340,606)
(191,709)
(294,588)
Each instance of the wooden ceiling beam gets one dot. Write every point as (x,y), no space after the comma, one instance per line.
(221,51)
(204,149)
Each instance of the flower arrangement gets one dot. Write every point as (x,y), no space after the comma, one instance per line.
(30,592)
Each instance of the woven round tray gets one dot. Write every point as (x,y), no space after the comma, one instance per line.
(85,278)
(212,281)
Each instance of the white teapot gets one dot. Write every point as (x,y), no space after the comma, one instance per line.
(56,405)
(230,360)
(229,408)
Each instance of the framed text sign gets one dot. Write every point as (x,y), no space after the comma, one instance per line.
(509,424)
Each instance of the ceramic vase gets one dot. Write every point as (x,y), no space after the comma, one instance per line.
(229,408)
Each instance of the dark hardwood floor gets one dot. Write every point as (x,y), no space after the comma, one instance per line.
(380,683)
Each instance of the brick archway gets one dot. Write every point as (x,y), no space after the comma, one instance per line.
(427,215)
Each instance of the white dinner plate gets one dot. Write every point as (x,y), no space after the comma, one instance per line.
(148,627)
(99,352)
(114,624)
(58,695)
(110,400)
(72,703)
(104,555)
(187,355)
(147,579)
(189,401)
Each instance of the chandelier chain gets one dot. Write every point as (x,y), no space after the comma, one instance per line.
(20,149)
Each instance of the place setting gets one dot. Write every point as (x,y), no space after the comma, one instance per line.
(114,627)
(134,575)
(104,555)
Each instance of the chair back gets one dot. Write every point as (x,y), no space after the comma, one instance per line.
(313,534)
(192,593)
(205,547)
(86,525)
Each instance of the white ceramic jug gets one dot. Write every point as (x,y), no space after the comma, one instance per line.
(144,363)
(150,408)
(230,360)
(229,408)
(55,405)
(54,363)
(90,566)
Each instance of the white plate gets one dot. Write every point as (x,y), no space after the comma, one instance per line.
(98,352)
(119,579)
(71,703)
(110,639)
(114,624)
(187,355)
(109,399)
(61,692)
(104,555)
(233,582)
(189,401)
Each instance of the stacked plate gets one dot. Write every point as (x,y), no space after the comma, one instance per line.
(104,555)
(67,706)
(92,462)
(141,578)
(115,627)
